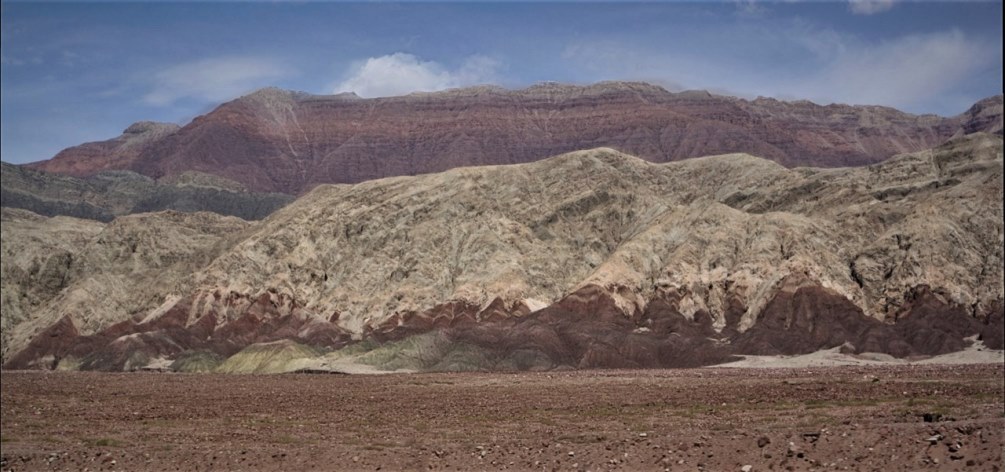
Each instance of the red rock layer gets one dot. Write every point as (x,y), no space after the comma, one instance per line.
(583,330)
(280,141)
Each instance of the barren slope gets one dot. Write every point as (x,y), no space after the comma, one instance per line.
(109,194)
(113,154)
(597,258)
(98,274)
(718,419)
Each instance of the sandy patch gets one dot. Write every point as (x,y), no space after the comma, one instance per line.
(977,353)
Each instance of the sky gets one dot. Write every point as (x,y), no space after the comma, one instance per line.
(78,72)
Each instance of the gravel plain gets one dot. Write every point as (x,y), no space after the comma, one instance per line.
(905,417)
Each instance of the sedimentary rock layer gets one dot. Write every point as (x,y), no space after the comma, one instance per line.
(588,259)
(281,141)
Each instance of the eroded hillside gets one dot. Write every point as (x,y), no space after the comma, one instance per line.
(593,258)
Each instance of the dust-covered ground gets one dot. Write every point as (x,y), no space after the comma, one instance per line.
(906,417)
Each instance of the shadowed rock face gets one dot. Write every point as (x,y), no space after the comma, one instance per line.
(48,347)
(132,344)
(993,331)
(587,330)
(280,141)
(590,259)
(104,196)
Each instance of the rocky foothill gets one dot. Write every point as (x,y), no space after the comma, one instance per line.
(588,259)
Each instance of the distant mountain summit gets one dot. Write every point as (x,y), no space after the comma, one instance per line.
(275,140)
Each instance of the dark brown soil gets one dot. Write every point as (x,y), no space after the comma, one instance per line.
(721,419)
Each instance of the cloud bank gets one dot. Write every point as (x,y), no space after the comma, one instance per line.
(401,73)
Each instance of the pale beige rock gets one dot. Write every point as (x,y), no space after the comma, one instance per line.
(712,229)
(977,353)
(35,255)
(717,227)
(100,273)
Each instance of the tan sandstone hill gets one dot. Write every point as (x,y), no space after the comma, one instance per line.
(99,274)
(592,258)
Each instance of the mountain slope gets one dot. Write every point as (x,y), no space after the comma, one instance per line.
(279,141)
(99,274)
(593,258)
(113,154)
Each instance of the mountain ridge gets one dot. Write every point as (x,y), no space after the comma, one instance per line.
(588,259)
(109,194)
(283,141)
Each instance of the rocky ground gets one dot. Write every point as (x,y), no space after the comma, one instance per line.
(837,418)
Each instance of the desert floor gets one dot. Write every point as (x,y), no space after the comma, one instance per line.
(900,417)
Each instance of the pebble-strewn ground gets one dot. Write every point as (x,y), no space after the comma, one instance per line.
(716,419)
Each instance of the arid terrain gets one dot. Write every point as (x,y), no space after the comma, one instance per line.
(848,318)
(721,419)
(713,236)
(277,140)
(109,194)
(593,259)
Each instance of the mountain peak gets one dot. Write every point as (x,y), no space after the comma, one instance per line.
(985,115)
(271,95)
(563,90)
(347,96)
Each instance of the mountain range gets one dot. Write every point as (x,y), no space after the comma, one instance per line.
(591,258)
(288,142)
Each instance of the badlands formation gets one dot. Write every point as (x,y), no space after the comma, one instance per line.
(588,259)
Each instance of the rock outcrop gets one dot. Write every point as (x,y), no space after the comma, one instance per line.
(91,275)
(588,259)
(280,141)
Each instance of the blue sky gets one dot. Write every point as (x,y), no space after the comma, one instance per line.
(76,72)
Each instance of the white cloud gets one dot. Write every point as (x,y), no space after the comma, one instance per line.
(869,7)
(213,79)
(401,73)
